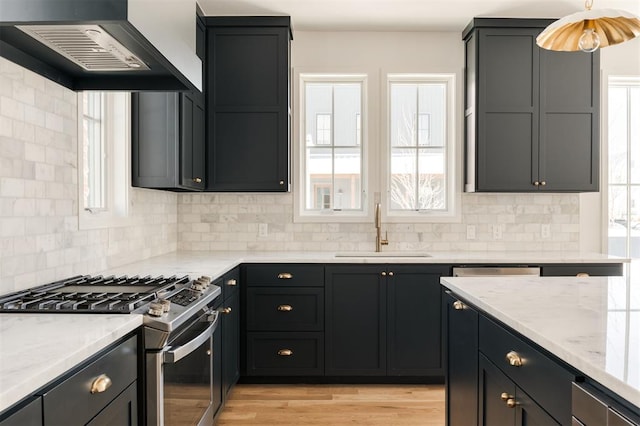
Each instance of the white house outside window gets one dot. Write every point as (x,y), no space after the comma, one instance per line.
(420,144)
(333,155)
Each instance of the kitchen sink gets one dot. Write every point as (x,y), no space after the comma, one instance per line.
(382,254)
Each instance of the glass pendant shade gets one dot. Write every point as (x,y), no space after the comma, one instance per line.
(590,29)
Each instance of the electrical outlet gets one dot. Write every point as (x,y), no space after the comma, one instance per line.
(497,232)
(263,230)
(545,231)
(471,232)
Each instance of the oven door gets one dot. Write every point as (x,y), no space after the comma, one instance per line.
(183,390)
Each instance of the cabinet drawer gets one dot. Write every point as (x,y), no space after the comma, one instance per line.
(285,309)
(285,354)
(279,275)
(539,376)
(71,402)
(612,270)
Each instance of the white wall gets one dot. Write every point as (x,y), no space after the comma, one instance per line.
(40,240)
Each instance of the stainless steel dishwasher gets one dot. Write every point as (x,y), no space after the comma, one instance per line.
(496,271)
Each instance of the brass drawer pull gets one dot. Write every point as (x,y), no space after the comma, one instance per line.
(384,274)
(582,275)
(285,308)
(390,273)
(197,180)
(511,403)
(285,275)
(285,352)
(514,359)
(101,384)
(226,310)
(232,282)
(458,305)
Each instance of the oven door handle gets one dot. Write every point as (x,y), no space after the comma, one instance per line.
(176,354)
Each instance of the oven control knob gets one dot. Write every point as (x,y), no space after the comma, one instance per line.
(197,286)
(204,281)
(166,304)
(155,309)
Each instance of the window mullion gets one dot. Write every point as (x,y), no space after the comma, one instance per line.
(417,149)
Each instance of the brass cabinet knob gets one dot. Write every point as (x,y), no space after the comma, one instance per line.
(543,183)
(100,384)
(536,183)
(285,352)
(285,308)
(514,359)
(226,310)
(383,273)
(197,180)
(390,273)
(511,403)
(458,305)
(232,282)
(582,275)
(285,275)
(209,352)
(505,396)
(281,182)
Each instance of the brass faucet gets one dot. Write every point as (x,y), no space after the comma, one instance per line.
(378,222)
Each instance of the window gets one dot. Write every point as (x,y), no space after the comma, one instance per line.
(420,142)
(103,139)
(404,157)
(332,155)
(624,168)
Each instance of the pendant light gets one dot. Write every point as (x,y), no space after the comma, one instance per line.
(590,29)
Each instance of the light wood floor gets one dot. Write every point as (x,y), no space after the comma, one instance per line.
(334,405)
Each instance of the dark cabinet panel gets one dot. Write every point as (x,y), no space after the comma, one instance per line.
(167,141)
(593,270)
(122,411)
(355,321)
(285,354)
(217,397)
(285,275)
(461,385)
(493,384)
(231,342)
(29,414)
(248,107)
(531,115)
(414,331)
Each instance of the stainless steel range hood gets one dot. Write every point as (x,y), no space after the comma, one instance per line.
(131,45)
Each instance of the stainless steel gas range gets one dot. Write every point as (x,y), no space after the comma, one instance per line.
(179,323)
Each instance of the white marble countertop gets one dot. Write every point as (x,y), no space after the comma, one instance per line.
(593,324)
(36,348)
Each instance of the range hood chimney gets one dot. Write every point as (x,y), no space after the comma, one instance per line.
(132,45)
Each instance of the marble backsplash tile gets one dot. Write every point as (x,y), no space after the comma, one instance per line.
(231,222)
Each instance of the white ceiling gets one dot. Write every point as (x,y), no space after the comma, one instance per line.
(402,15)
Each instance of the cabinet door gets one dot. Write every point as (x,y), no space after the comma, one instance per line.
(231,342)
(248,109)
(507,122)
(529,413)
(414,331)
(122,411)
(155,135)
(192,142)
(355,321)
(29,415)
(496,390)
(569,121)
(461,388)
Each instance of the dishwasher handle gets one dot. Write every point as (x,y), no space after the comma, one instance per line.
(497,271)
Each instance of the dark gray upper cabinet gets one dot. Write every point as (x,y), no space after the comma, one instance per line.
(168,137)
(248,103)
(531,115)
(167,147)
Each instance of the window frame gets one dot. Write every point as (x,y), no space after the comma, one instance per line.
(301,214)
(453,197)
(116,132)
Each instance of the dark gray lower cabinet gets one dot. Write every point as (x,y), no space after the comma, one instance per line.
(504,403)
(383,320)
(461,348)
(30,414)
(231,339)
(121,411)
(591,407)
